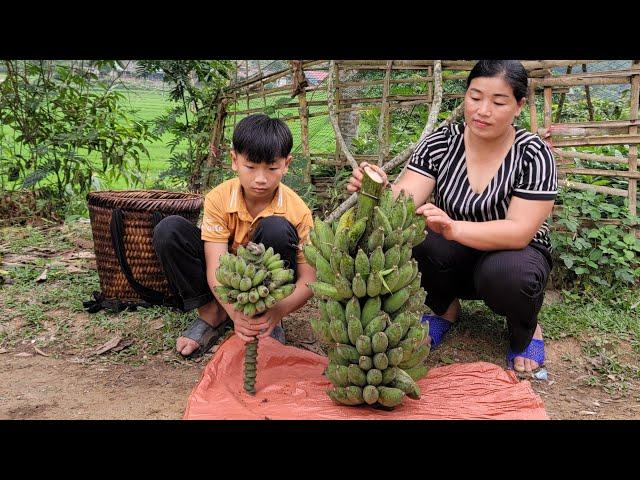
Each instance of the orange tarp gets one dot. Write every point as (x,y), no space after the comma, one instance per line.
(290,385)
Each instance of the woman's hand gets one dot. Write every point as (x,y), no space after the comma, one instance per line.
(438,221)
(355,181)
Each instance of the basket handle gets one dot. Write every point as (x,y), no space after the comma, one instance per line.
(117,232)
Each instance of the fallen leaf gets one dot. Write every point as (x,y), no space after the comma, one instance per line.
(43,276)
(158,324)
(83,243)
(82,254)
(122,345)
(74,269)
(447,360)
(587,412)
(13,260)
(45,251)
(24,354)
(3,350)
(40,352)
(108,346)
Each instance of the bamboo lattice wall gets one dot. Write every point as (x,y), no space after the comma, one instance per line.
(298,91)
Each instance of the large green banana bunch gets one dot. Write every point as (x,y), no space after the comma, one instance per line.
(371,302)
(253,280)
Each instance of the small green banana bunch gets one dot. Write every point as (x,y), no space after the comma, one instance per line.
(371,302)
(254,279)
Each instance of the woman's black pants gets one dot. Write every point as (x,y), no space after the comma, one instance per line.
(510,282)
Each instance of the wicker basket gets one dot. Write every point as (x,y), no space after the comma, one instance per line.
(135,212)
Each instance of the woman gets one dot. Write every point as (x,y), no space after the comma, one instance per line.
(494,186)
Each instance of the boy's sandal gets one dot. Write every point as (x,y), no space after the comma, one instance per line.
(438,326)
(204,335)
(534,351)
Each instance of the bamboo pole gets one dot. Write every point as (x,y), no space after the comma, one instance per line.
(434,111)
(456,64)
(548,101)
(269,78)
(561,130)
(533,111)
(314,103)
(277,92)
(546,64)
(600,140)
(264,98)
(633,130)
(334,120)
(596,188)
(601,124)
(600,172)
(383,130)
(589,156)
(587,93)
(429,85)
(246,64)
(618,77)
(299,86)
(215,141)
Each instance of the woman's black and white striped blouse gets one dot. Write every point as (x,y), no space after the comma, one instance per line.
(528,171)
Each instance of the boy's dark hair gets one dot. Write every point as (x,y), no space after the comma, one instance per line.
(262,139)
(512,71)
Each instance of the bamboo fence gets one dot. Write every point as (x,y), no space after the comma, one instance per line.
(314,95)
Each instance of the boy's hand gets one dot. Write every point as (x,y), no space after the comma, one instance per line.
(270,319)
(246,327)
(259,326)
(355,181)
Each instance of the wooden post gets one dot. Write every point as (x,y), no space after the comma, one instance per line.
(633,149)
(562,97)
(533,112)
(215,141)
(383,127)
(246,71)
(587,94)
(299,86)
(264,98)
(337,97)
(548,102)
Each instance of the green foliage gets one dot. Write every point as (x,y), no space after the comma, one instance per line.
(592,250)
(195,88)
(65,131)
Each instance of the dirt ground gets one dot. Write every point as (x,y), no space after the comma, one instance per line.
(80,386)
(66,379)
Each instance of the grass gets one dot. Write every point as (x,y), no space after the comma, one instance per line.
(51,314)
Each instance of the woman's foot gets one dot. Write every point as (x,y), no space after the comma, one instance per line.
(450,315)
(521,364)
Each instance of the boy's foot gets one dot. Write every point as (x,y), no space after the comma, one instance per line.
(198,338)
(521,364)
(203,332)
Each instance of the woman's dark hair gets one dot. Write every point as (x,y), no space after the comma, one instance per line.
(262,139)
(511,70)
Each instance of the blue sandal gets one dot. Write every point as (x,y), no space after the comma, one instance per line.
(534,351)
(438,326)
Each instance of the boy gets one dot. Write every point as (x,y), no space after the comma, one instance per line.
(254,206)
